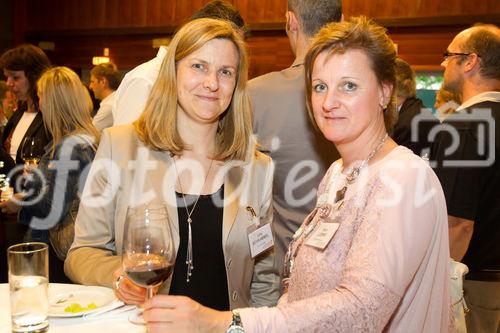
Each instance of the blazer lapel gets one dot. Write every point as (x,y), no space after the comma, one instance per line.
(11,124)
(171,200)
(159,180)
(33,130)
(232,195)
(35,125)
(166,188)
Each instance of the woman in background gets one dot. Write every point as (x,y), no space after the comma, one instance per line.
(54,185)
(22,66)
(414,120)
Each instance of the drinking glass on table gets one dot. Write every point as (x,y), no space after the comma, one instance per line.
(28,283)
(148,256)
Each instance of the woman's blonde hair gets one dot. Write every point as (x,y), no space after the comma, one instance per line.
(157,126)
(357,33)
(66,105)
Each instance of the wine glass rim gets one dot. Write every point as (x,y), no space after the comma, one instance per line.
(37,247)
(140,209)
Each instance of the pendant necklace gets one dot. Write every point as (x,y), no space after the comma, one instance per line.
(311,222)
(189,253)
(353,175)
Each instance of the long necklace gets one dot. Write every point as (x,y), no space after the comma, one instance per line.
(189,253)
(307,227)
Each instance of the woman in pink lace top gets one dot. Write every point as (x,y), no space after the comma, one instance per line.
(373,255)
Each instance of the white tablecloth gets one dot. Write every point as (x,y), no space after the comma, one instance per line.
(109,324)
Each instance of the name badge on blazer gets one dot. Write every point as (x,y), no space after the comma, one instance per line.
(260,237)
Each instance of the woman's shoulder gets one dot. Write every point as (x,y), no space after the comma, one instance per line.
(263,158)
(76,145)
(121,131)
(80,140)
(401,167)
(260,159)
(121,135)
(403,158)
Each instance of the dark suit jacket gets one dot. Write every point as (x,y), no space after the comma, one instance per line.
(36,129)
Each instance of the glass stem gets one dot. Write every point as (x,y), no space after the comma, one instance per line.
(150,293)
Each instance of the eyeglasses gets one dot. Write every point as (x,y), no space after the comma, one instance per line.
(451,54)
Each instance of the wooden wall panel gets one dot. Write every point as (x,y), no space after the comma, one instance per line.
(258,12)
(262,60)
(81,29)
(420,51)
(91,14)
(420,8)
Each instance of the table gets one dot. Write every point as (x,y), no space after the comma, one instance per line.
(109,324)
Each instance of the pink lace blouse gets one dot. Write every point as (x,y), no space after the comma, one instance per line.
(386,267)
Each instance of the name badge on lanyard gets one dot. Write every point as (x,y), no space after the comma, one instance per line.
(322,235)
(260,237)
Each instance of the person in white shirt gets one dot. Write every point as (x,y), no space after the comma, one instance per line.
(104,80)
(133,92)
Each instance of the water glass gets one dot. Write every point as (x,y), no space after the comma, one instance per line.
(28,283)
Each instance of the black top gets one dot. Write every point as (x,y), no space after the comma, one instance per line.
(36,129)
(208,282)
(402,132)
(473,192)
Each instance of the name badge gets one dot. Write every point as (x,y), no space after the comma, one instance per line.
(260,239)
(322,235)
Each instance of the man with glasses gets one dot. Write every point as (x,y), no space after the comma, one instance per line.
(469,169)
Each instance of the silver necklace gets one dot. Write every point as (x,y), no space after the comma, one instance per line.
(189,253)
(353,175)
(308,227)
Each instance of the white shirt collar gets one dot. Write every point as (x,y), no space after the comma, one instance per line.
(161,52)
(108,99)
(487,96)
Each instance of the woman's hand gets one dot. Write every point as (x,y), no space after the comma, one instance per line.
(126,290)
(12,205)
(165,313)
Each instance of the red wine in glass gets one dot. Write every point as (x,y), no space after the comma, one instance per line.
(148,270)
(148,255)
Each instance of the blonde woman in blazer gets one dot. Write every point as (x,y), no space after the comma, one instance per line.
(209,126)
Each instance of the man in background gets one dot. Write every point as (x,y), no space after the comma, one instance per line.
(104,80)
(410,110)
(134,90)
(301,154)
(472,185)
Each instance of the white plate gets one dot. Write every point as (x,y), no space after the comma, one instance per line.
(62,296)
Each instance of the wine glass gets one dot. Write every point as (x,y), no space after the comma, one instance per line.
(148,256)
(31,151)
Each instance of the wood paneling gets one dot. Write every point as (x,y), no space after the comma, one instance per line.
(262,60)
(92,14)
(419,8)
(81,29)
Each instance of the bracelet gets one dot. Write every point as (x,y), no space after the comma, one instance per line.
(118,281)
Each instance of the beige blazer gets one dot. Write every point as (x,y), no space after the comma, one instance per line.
(126,171)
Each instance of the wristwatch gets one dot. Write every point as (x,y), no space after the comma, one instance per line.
(236,325)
